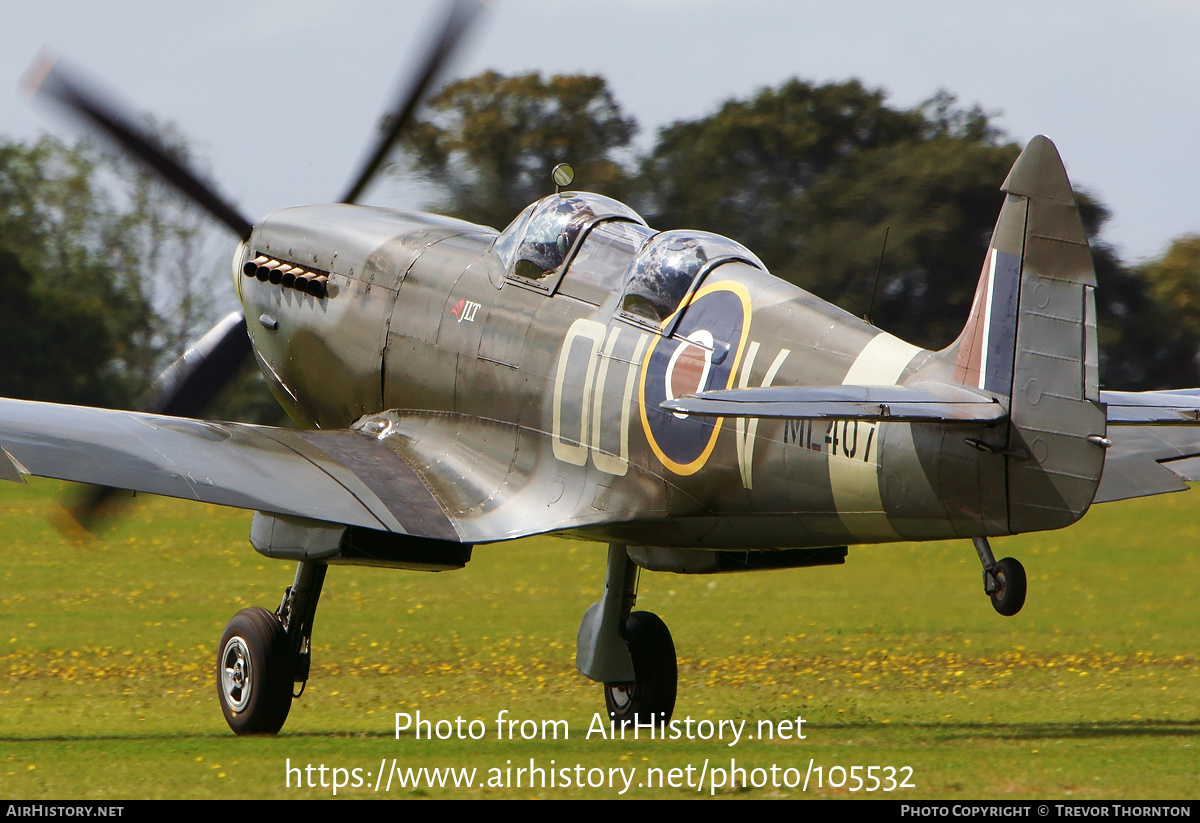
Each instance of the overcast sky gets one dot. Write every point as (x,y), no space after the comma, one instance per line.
(278,97)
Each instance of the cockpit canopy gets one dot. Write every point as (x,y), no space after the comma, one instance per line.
(541,238)
(664,270)
(656,270)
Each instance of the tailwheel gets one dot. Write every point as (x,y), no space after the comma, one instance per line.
(254,673)
(652,694)
(1008,593)
(1003,581)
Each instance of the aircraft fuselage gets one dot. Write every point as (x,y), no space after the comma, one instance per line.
(422,318)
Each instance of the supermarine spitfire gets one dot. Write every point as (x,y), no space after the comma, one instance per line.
(581,374)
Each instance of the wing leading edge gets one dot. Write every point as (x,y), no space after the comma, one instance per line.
(339,477)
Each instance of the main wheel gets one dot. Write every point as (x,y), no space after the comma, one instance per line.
(652,694)
(1009,596)
(254,673)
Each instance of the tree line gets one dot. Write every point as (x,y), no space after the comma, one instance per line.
(104,281)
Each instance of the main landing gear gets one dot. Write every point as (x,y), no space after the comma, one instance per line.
(630,652)
(263,654)
(652,692)
(1004,581)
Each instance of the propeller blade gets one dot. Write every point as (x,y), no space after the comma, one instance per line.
(185,389)
(191,383)
(82,99)
(462,15)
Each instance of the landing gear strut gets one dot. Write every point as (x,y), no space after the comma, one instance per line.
(1004,581)
(630,652)
(262,654)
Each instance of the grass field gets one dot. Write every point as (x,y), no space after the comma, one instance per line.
(895,659)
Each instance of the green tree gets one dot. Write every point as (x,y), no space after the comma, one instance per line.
(57,346)
(87,321)
(810,177)
(103,274)
(1174,281)
(1157,320)
(490,141)
(745,170)
(940,198)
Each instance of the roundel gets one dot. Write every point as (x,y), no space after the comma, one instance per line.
(702,355)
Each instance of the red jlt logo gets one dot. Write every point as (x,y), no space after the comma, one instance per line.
(465,310)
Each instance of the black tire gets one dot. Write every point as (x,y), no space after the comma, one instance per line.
(254,673)
(653,693)
(1011,585)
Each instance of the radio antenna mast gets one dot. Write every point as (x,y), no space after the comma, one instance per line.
(878,271)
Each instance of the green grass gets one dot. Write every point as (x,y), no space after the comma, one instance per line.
(897,659)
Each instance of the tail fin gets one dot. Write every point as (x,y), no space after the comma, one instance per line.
(1031,337)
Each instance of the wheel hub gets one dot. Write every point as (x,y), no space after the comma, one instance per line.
(621,694)
(236,674)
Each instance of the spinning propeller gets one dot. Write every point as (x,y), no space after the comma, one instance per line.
(190,384)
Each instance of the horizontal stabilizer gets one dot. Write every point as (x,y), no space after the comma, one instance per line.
(923,402)
(1152,408)
(1149,460)
(1155,443)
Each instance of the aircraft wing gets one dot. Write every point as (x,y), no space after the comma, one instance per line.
(436,475)
(922,402)
(335,476)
